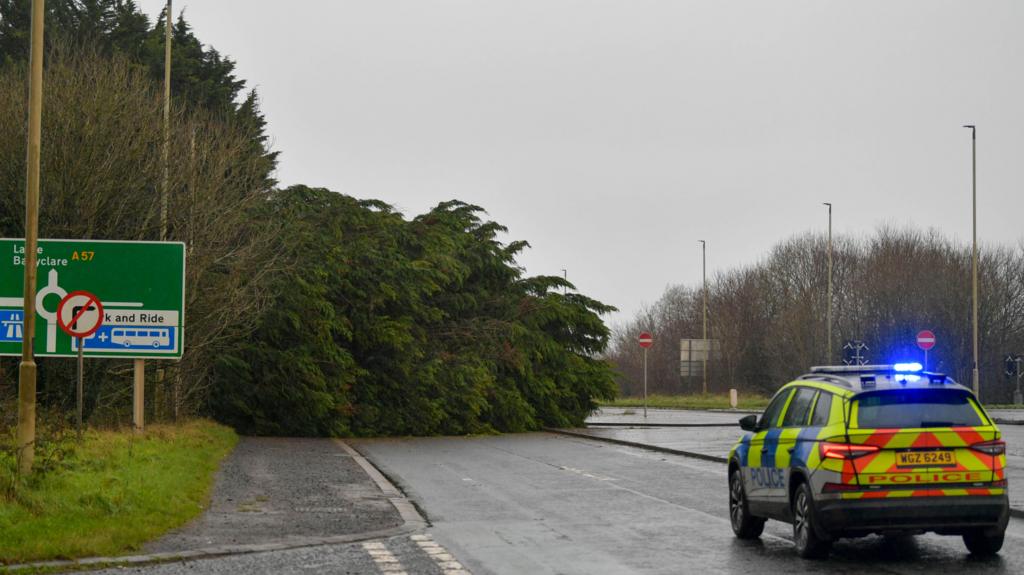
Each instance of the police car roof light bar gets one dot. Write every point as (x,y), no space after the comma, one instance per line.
(913,367)
(876,368)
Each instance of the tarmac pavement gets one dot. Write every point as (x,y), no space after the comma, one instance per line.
(551,504)
(279,489)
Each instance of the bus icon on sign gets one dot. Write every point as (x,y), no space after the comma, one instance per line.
(138,337)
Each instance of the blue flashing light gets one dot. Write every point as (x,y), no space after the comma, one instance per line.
(907,367)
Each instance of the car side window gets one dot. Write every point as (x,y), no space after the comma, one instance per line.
(822,410)
(770,418)
(799,408)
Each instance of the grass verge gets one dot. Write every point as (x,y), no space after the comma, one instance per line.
(112,493)
(697,401)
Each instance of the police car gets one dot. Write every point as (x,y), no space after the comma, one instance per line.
(846,451)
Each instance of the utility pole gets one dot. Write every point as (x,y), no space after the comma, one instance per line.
(167,121)
(565,276)
(139,365)
(704,274)
(828,354)
(26,436)
(974,253)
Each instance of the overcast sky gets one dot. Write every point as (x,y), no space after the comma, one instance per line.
(613,135)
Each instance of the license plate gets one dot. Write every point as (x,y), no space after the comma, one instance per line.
(925,458)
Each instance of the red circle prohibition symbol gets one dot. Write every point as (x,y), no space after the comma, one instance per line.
(91,302)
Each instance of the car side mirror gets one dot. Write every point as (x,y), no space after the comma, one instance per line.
(749,423)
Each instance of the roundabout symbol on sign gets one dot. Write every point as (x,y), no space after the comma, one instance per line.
(80,314)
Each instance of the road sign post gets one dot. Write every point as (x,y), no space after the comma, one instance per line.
(646,340)
(1017,397)
(79,315)
(925,341)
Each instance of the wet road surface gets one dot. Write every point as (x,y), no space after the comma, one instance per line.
(543,503)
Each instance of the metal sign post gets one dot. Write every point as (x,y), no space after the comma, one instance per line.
(78,391)
(645,383)
(646,340)
(79,315)
(925,341)
(1018,398)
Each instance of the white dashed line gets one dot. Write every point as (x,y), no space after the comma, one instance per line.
(445,560)
(385,560)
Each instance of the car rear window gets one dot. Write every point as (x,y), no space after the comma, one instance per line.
(916,408)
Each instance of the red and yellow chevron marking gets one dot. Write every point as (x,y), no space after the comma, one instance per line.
(881,468)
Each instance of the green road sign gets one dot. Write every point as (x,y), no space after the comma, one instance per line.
(141,286)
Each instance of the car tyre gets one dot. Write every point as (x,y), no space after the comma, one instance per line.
(984,542)
(809,543)
(744,525)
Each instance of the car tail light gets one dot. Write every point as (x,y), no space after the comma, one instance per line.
(845,450)
(996,447)
(838,487)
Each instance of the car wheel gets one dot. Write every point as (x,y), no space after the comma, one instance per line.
(809,544)
(744,525)
(984,542)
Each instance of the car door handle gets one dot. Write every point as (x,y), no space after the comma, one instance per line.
(791,450)
(764,450)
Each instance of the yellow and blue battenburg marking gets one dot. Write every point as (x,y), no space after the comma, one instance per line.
(854,463)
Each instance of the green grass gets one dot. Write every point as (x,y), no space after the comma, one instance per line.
(113,493)
(698,401)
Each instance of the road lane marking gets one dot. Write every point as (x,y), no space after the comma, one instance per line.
(385,560)
(585,474)
(441,556)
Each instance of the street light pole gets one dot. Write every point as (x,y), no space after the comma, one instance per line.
(704,274)
(828,354)
(974,253)
(26,435)
(565,276)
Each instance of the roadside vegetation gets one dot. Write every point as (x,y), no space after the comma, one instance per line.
(109,494)
(698,401)
(309,312)
(770,317)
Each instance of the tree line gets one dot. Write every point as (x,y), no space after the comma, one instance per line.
(770,318)
(308,312)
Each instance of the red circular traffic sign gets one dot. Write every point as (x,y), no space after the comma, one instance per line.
(80,314)
(925,339)
(646,339)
